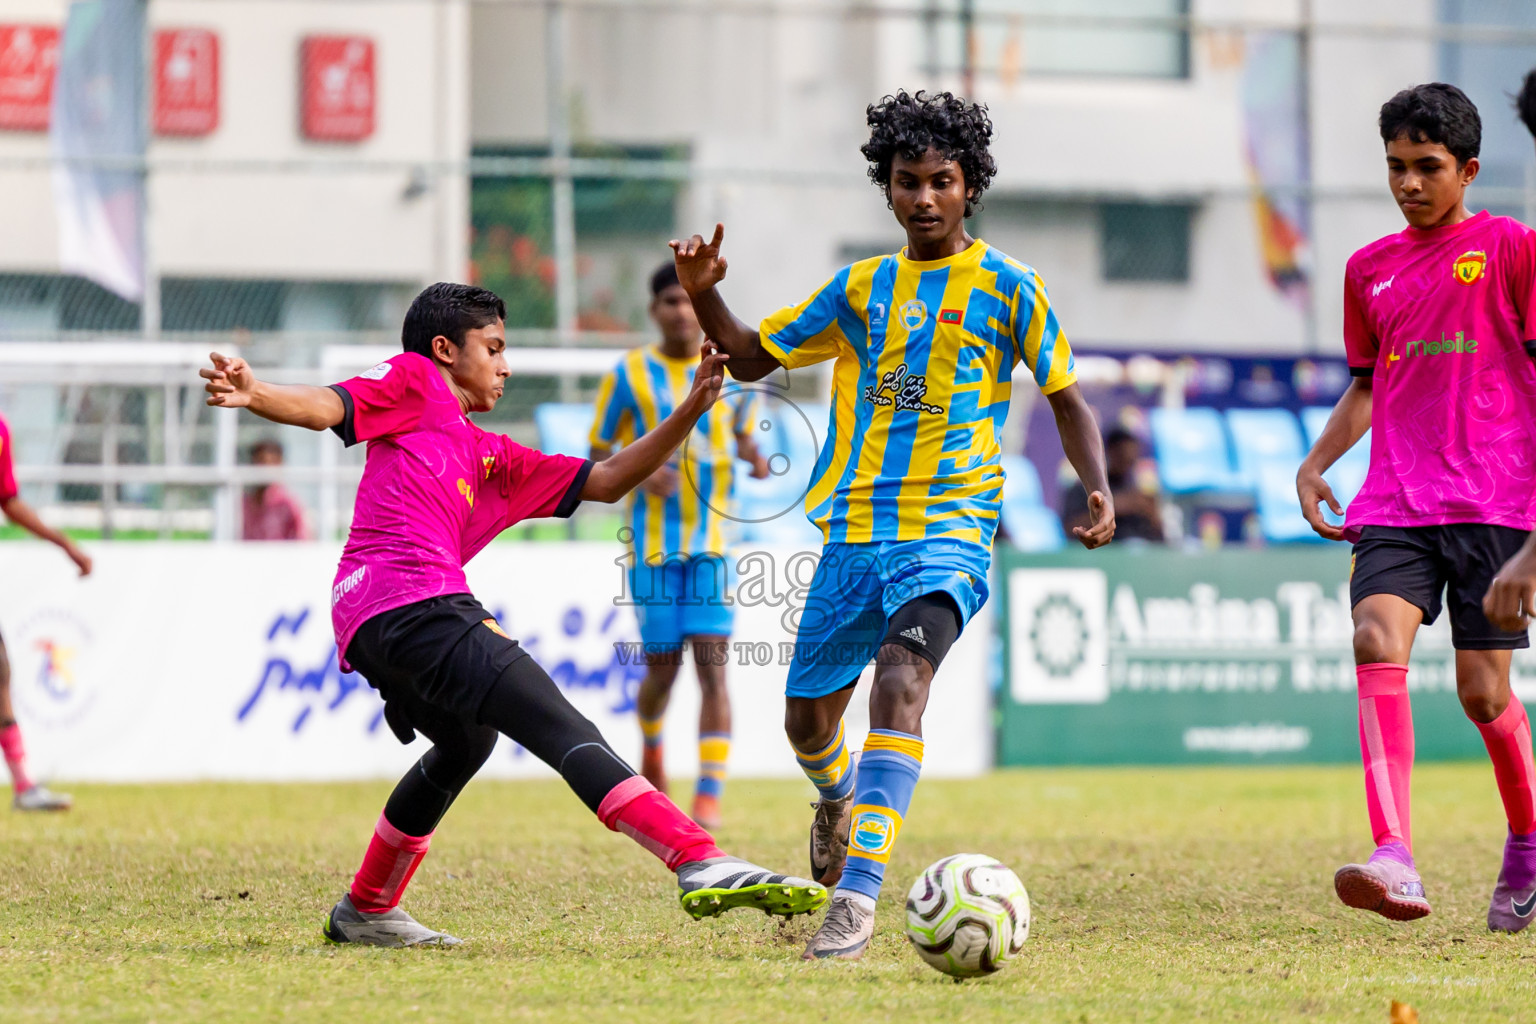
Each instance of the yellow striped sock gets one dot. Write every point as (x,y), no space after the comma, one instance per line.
(714,752)
(650,730)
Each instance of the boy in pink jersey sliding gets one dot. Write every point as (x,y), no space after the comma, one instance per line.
(435,490)
(28,794)
(1435,323)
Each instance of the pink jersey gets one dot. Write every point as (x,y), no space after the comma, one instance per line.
(8,488)
(1438,319)
(435,490)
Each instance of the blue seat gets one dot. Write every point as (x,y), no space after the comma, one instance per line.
(565,428)
(1261,437)
(1191,449)
(1032,527)
(1023,483)
(1313,419)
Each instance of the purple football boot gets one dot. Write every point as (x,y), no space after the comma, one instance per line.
(1514,895)
(1387,883)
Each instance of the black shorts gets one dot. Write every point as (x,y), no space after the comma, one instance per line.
(437,656)
(1417,563)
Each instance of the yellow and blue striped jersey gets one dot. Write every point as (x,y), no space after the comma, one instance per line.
(925,355)
(636,396)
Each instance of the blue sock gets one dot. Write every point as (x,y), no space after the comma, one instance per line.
(888,771)
(830,769)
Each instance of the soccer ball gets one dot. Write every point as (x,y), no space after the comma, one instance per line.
(967,915)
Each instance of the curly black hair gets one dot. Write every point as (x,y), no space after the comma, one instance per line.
(1434,112)
(1525,103)
(913,124)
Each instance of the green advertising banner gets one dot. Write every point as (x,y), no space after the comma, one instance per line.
(1154,656)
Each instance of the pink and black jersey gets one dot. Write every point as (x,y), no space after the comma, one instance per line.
(1438,319)
(8,489)
(435,490)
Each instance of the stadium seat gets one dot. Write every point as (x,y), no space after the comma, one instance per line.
(1032,527)
(564,428)
(1023,484)
(1313,419)
(1191,449)
(1262,437)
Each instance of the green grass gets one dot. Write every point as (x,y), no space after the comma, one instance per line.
(1159,895)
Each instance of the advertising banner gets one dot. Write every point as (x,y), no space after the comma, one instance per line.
(1156,656)
(205,661)
(29,55)
(337,87)
(186,81)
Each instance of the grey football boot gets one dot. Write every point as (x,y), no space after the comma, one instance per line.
(390,928)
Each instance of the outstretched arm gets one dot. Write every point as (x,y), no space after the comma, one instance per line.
(232,385)
(620,473)
(1350,420)
(1084,446)
(700,267)
(22,514)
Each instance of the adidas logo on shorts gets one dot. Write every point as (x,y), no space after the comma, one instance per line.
(915,633)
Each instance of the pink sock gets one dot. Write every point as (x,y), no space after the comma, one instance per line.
(1508,739)
(635,808)
(15,756)
(1386,747)
(391,860)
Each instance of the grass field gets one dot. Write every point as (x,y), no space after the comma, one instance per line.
(1159,895)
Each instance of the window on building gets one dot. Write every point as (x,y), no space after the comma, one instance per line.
(1488,71)
(1144,241)
(1012,38)
(622,227)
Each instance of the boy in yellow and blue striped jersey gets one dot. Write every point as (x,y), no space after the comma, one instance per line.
(678,521)
(907,488)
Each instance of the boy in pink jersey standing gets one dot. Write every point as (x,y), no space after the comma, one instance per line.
(1435,323)
(435,490)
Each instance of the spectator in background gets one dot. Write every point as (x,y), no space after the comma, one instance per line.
(1138,505)
(271,510)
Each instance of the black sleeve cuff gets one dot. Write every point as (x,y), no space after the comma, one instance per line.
(573,493)
(1362,371)
(346,430)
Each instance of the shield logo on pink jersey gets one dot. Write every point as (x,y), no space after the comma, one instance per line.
(1469,266)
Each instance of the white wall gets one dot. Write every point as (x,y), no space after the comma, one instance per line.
(332,223)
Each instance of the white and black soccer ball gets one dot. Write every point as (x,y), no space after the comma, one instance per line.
(967,915)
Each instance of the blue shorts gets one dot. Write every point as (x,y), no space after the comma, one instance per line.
(681,598)
(858,587)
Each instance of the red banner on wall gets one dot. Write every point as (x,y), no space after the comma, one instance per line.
(186,81)
(337,88)
(29,54)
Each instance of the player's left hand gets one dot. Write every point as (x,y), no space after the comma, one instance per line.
(760,470)
(1102,529)
(708,378)
(1511,598)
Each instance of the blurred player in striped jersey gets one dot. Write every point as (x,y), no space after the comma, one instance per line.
(29,795)
(907,488)
(678,519)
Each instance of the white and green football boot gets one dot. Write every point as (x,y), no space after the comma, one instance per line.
(711,887)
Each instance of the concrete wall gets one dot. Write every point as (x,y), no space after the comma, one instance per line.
(330,222)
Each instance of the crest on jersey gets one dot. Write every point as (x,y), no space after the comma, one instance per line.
(489,462)
(914,313)
(1469,266)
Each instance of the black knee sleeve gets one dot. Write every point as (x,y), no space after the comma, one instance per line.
(423,796)
(927,626)
(529,708)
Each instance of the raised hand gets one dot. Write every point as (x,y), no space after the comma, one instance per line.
(1101,512)
(708,378)
(699,264)
(230,382)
